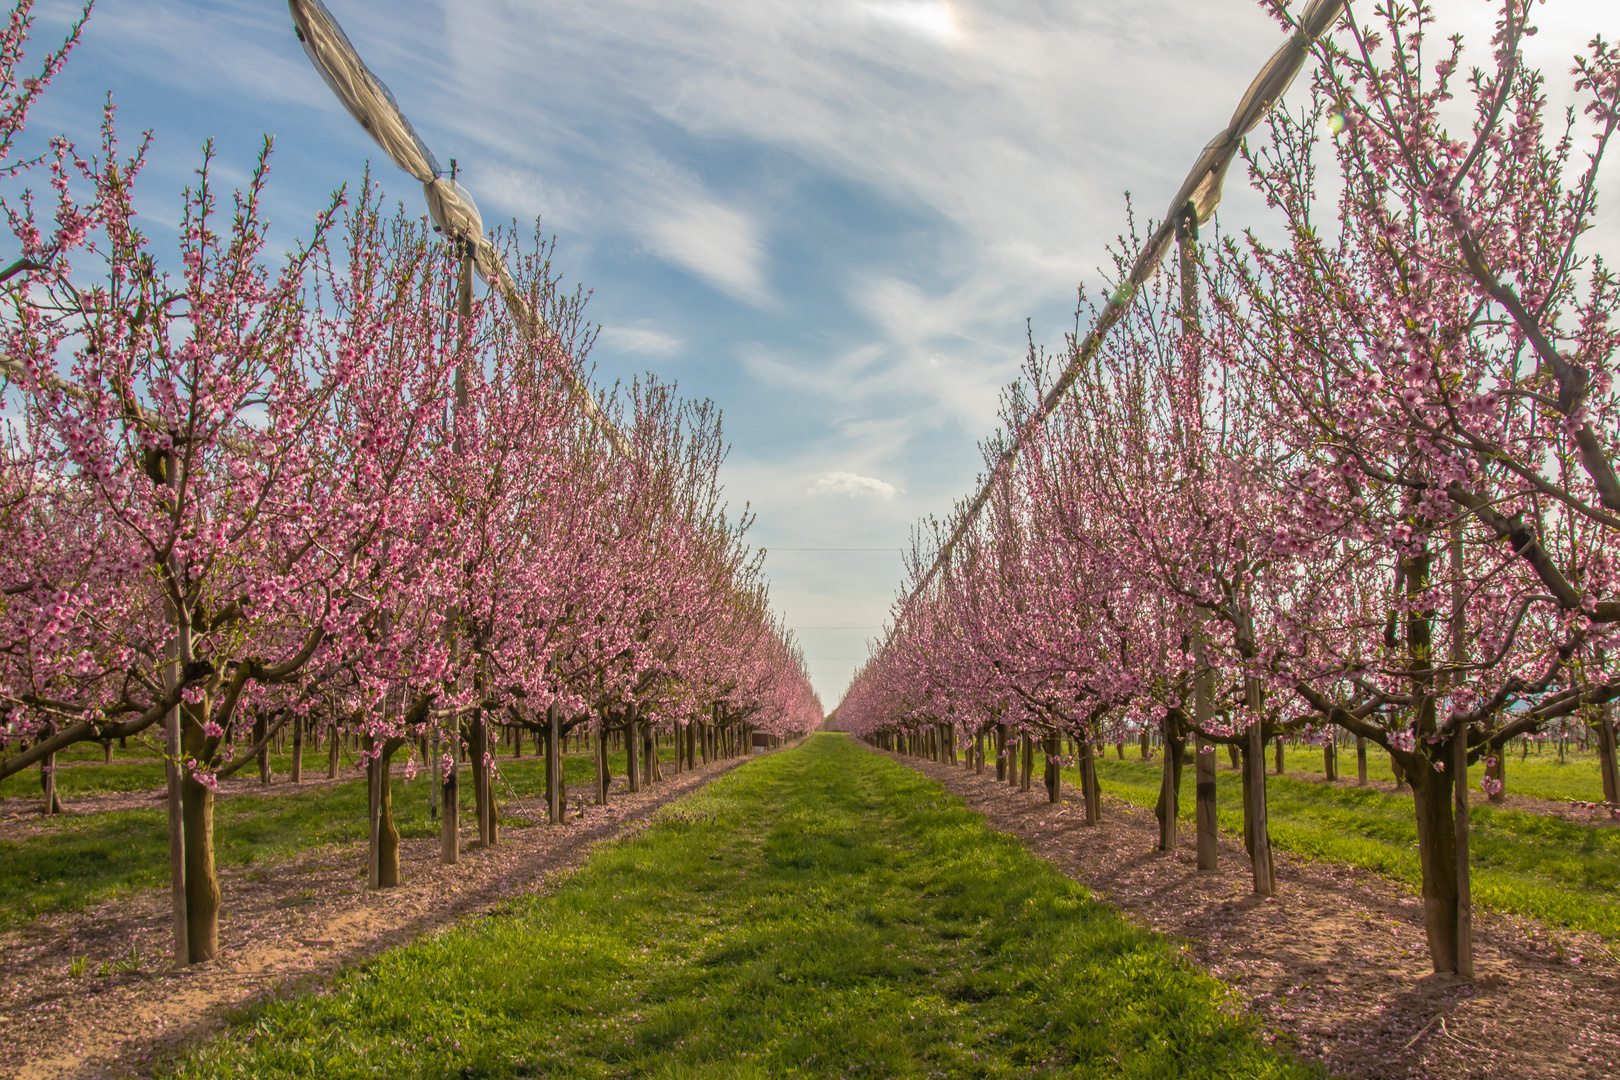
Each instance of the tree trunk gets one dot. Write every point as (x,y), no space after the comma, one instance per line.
(261,727)
(383,865)
(1169,808)
(604,775)
(1279,753)
(1256,830)
(298,750)
(1054,771)
(1026,780)
(478,751)
(1330,761)
(1146,746)
(202,886)
(1001,753)
(1465,887)
(1604,723)
(632,740)
(333,741)
(1437,852)
(450,802)
(1361,761)
(1090,789)
(1204,792)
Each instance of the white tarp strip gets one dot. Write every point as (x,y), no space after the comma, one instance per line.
(361,92)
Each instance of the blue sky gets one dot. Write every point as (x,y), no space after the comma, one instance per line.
(833,217)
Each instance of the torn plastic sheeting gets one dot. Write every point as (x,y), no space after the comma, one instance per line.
(1203,185)
(361,92)
(453,211)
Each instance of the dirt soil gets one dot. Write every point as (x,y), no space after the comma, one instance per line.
(283,927)
(1336,965)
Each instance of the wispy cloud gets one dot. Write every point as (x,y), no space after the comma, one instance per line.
(641,341)
(721,244)
(854,485)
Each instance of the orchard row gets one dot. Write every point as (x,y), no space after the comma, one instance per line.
(1349,476)
(336,490)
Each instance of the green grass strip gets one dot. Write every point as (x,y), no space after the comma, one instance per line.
(1539,775)
(73,861)
(820,912)
(1563,873)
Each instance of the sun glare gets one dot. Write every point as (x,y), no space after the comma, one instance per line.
(930,18)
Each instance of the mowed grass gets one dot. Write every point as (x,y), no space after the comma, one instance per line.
(1562,873)
(1540,775)
(81,770)
(71,861)
(819,912)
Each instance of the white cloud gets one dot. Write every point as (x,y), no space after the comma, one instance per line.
(719,243)
(641,340)
(854,485)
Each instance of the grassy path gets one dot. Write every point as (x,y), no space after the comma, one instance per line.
(819,912)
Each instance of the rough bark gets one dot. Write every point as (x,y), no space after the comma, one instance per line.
(1091,791)
(1603,729)
(383,864)
(1437,853)
(450,804)
(202,884)
(298,750)
(1169,806)
(1208,826)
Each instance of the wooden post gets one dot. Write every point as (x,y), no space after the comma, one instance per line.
(554,773)
(632,740)
(1265,873)
(179,651)
(1204,776)
(1459,762)
(601,758)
